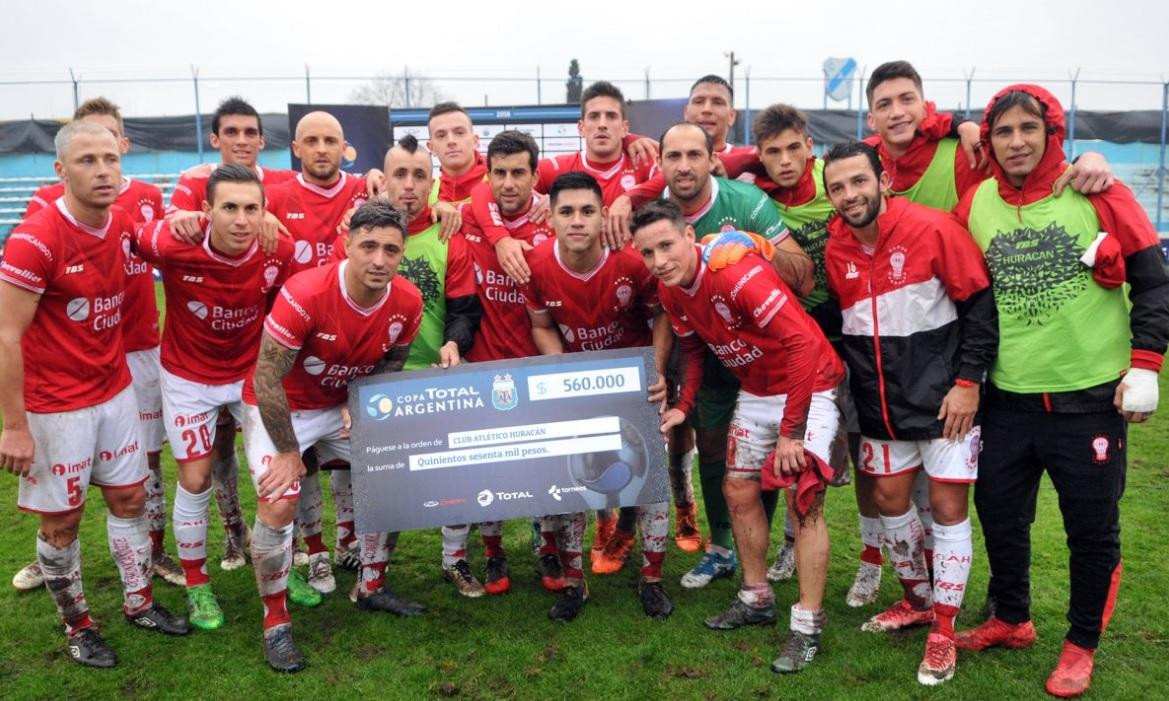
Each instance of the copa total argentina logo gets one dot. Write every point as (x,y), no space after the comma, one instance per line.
(379,407)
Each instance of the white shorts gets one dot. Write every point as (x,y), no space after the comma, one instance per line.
(97,445)
(754,430)
(314,428)
(943,460)
(190,411)
(144,369)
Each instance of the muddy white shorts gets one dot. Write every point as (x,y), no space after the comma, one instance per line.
(190,411)
(97,445)
(754,430)
(313,428)
(944,460)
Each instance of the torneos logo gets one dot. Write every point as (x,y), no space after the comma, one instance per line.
(379,407)
(78,308)
(197,308)
(303,252)
(567,333)
(314,365)
(485,498)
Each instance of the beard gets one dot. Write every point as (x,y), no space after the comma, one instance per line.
(872,209)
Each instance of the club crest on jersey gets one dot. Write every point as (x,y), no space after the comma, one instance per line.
(270,274)
(539,238)
(126,248)
(147,211)
(379,407)
(503,393)
(897,265)
(1100,445)
(395,330)
(624,292)
(628,181)
(720,305)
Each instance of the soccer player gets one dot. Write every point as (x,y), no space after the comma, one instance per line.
(1059,394)
(584,296)
(455,144)
(143,202)
(311,206)
(237,133)
(329,325)
(605,130)
(792,176)
(442,272)
(785,418)
(920,331)
(216,296)
(710,205)
(70,415)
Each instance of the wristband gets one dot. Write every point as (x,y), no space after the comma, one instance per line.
(965,383)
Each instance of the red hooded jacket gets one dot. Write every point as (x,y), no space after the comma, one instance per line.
(1121,216)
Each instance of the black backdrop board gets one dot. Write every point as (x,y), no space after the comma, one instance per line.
(506,439)
(367,129)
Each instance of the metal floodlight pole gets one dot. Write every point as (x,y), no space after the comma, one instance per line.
(539,93)
(406,84)
(198,114)
(76,96)
(647,82)
(308,86)
(1161,163)
(860,103)
(969,80)
(747,110)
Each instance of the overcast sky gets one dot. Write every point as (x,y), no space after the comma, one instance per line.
(1004,40)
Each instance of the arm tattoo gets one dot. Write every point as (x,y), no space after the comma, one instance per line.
(393,360)
(274,363)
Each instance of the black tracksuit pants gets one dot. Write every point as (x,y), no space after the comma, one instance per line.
(1084,454)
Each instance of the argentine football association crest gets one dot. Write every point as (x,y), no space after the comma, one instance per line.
(503,393)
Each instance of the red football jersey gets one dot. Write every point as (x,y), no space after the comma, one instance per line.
(214,304)
(607,307)
(337,340)
(312,214)
(74,354)
(758,330)
(614,178)
(504,329)
(190,191)
(143,202)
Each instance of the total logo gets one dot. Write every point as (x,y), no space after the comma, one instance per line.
(555,491)
(488,497)
(379,407)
